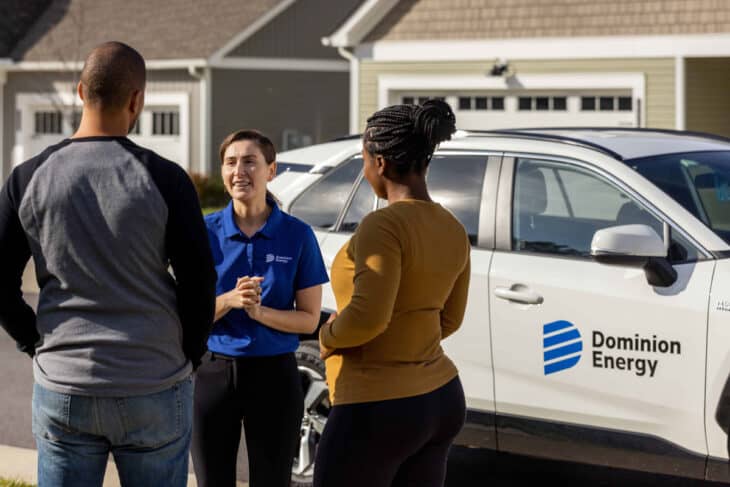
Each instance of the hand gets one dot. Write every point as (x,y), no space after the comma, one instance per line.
(247,293)
(253,307)
(325,351)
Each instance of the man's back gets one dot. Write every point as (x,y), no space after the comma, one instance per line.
(97,215)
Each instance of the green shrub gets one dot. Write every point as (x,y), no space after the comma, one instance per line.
(211,192)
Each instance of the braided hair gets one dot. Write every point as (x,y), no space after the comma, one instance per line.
(407,135)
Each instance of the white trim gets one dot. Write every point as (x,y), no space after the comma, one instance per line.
(360,23)
(624,47)
(3,79)
(680,122)
(354,89)
(24,102)
(153,64)
(636,82)
(282,64)
(250,30)
(206,121)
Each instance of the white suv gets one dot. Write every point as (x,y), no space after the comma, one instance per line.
(598,322)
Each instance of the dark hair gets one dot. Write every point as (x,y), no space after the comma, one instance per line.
(112,72)
(262,141)
(407,135)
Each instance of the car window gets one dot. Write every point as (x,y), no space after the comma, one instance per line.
(321,204)
(557,208)
(456,181)
(361,204)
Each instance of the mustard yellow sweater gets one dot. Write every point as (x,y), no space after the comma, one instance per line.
(401,286)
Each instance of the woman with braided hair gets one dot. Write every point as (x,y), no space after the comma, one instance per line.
(401,287)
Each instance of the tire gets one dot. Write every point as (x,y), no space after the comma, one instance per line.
(316,410)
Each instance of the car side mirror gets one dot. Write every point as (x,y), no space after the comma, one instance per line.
(635,245)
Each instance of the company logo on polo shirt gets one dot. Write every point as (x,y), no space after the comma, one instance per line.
(562,346)
(282,259)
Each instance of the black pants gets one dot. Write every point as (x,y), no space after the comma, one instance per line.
(265,393)
(400,442)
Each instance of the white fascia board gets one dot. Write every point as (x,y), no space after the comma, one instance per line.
(704,45)
(359,24)
(153,64)
(282,64)
(250,30)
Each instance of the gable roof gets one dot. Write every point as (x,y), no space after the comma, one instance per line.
(16,17)
(411,20)
(172,29)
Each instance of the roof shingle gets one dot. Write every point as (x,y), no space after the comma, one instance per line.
(497,19)
(174,29)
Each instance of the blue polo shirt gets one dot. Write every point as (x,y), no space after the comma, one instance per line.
(285,252)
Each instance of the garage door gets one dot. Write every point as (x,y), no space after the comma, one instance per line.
(487,110)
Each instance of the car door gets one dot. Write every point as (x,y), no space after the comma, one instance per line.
(591,362)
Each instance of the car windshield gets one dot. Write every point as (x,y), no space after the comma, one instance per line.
(699,181)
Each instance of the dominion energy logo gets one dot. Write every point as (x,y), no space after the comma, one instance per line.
(562,346)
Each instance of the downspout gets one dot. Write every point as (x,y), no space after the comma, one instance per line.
(3,159)
(680,122)
(204,83)
(354,89)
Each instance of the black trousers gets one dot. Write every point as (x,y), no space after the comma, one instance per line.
(265,393)
(394,443)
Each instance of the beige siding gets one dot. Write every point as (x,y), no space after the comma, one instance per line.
(48,82)
(500,19)
(659,79)
(297,32)
(707,95)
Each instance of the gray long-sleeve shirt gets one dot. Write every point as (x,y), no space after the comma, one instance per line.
(104,219)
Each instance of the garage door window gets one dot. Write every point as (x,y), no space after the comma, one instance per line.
(48,123)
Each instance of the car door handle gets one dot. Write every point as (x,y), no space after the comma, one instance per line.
(520,295)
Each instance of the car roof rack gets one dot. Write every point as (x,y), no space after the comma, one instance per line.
(693,133)
(519,133)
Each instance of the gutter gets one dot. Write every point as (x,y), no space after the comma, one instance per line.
(354,88)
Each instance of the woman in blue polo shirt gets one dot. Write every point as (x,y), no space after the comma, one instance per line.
(269,290)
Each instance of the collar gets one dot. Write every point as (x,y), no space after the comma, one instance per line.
(269,228)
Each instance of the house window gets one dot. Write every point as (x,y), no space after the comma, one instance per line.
(166,123)
(48,122)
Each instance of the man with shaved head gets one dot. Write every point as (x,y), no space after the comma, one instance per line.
(115,337)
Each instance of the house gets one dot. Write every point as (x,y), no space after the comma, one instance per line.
(214,66)
(521,63)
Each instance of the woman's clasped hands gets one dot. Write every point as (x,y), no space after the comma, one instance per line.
(246,295)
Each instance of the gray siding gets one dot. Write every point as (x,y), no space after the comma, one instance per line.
(271,101)
(297,31)
(48,82)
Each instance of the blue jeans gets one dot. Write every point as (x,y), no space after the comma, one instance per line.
(148,435)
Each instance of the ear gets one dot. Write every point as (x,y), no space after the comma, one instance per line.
(136,102)
(272,171)
(80,90)
(381,165)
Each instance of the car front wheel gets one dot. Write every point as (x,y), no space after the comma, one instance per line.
(316,410)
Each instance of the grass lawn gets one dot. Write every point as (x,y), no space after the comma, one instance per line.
(206,210)
(14,483)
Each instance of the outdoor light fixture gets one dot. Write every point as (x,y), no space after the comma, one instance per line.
(500,68)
